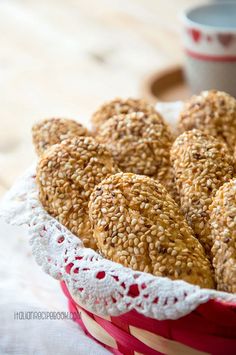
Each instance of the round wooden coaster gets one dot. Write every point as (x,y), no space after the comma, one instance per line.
(166,85)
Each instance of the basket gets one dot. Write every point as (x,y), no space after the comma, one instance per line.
(128,312)
(210,329)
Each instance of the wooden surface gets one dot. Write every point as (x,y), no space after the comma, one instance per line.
(65,57)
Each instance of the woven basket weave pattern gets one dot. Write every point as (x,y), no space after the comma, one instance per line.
(210,329)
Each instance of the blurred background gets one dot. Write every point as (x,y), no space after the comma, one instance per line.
(66,57)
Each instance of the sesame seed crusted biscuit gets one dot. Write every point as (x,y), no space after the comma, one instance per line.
(66,175)
(53,130)
(213,112)
(201,165)
(235,157)
(120,106)
(223,232)
(168,180)
(139,142)
(137,223)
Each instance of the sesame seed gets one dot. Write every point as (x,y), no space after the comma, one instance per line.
(133,221)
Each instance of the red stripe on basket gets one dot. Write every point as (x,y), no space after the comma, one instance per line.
(220,313)
(125,339)
(72,305)
(124,326)
(73,308)
(212,58)
(214,345)
(138,320)
(65,290)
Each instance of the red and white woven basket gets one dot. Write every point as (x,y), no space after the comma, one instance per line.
(128,312)
(209,329)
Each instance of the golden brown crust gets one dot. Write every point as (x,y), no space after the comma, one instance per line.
(139,142)
(223,232)
(53,130)
(120,106)
(235,157)
(168,181)
(66,176)
(201,165)
(138,224)
(213,112)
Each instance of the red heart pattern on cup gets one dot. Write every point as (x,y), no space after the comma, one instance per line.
(224,39)
(196,35)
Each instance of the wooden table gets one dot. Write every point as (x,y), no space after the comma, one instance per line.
(65,57)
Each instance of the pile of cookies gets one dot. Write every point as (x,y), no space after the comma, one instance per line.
(140,196)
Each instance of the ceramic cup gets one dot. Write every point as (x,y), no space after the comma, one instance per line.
(209,38)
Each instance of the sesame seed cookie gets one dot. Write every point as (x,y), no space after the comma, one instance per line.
(140,143)
(138,224)
(53,130)
(223,232)
(213,112)
(120,106)
(66,175)
(235,157)
(201,165)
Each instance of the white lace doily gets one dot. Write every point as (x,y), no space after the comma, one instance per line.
(101,286)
